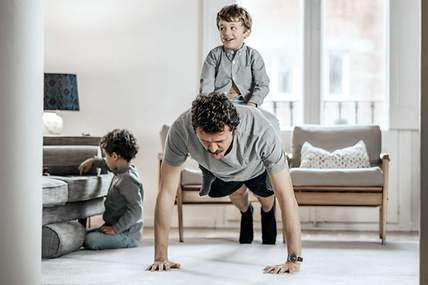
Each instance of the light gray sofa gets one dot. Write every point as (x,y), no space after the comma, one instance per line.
(69,198)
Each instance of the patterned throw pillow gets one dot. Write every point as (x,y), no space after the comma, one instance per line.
(350,157)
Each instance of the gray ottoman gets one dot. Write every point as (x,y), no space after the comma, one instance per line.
(62,238)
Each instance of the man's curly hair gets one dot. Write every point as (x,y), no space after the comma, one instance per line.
(122,142)
(213,112)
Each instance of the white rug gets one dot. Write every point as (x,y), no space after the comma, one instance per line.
(214,260)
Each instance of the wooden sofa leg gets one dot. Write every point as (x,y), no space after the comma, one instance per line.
(84,222)
(180,213)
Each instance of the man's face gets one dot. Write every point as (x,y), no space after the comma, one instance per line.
(232,34)
(216,144)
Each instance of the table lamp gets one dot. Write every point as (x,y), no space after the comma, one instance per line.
(60,94)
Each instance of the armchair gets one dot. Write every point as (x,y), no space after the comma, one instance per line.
(366,187)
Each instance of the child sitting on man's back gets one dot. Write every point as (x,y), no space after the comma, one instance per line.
(123,214)
(234,68)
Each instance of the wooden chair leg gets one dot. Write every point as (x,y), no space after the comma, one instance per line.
(180,213)
(384,207)
(382,224)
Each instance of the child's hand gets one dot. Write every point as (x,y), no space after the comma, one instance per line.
(251,104)
(107,230)
(86,166)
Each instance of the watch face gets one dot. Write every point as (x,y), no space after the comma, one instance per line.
(294,258)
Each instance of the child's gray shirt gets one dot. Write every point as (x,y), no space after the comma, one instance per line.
(244,67)
(124,201)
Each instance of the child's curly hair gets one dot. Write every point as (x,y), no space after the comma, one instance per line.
(120,141)
(213,112)
(233,13)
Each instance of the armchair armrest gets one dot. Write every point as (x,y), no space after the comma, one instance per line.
(385,159)
(160,159)
(289,157)
(385,156)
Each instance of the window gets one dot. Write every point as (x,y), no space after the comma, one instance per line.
(335,73)
(326,59)
(277,35)
(353,53)
(285,80)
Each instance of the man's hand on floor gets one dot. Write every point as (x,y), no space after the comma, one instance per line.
(165,265)
(288,267)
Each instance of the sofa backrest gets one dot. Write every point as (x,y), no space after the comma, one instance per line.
(63,155)
(71,140)
(335,137)
(163,135)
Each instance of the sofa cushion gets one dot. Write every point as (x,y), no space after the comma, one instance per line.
(372,176)
(54,192)
(65,159)
(193,196)
(349,157)
(191,176)
(82,188)
(73,211)
(335,137)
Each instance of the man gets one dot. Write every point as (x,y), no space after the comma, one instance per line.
(236,148)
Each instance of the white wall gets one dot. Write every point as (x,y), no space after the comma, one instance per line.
(137,65)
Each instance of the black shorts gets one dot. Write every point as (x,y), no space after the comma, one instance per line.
(258,185)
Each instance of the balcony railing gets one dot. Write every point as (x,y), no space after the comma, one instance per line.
(353,111)
(288,112)
(285,110)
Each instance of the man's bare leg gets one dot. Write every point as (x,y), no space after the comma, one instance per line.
(240,199)
(266,202)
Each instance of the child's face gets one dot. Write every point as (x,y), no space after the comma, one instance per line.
(111,160)
(232,34)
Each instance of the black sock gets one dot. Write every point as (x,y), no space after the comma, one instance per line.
(246,233)
(268,226)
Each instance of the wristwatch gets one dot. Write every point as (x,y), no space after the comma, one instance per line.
(294,258)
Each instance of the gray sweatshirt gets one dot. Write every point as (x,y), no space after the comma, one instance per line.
(124,201)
